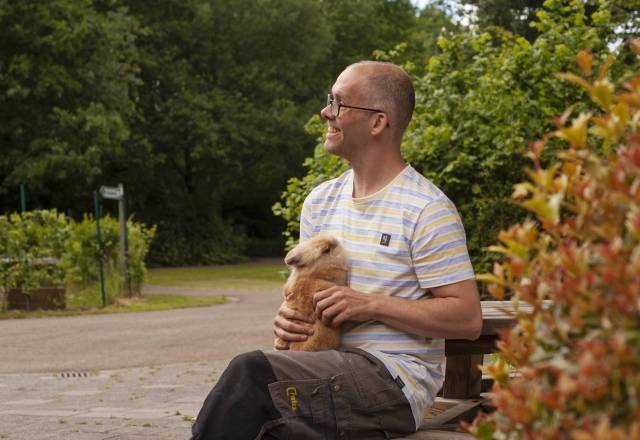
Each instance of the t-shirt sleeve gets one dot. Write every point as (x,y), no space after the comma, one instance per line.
(306,220)
(439,246)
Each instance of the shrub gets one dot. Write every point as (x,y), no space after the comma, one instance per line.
(26,238)
(202,241)
(579,357)
(82,252)
(477,104)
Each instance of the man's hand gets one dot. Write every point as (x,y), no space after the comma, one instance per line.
(290,326)
(339,304)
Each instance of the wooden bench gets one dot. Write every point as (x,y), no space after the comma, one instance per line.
(460,396)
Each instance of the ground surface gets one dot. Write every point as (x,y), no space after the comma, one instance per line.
(123,376)
(129,376)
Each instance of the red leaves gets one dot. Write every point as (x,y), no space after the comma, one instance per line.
(579,360)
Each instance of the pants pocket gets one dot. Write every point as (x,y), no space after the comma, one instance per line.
(305,406)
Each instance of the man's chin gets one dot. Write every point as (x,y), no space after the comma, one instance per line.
(332,147)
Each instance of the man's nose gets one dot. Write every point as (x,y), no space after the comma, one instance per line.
(325,113)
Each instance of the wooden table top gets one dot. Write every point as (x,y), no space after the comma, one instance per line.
(497,315)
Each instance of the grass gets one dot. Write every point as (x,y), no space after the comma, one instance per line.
(149,303)
(264,274)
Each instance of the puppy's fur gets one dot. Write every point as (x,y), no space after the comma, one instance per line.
(315,264)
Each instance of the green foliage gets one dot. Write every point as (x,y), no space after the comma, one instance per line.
(82,253)
(203,242)
(479,102)
(67,80)
(27,239)
(321,167)
(579,356)
(519,17)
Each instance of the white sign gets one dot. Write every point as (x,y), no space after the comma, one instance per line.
(111,192)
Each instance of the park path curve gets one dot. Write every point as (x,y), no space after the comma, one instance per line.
(125,340)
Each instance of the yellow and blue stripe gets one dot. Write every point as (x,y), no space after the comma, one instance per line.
(424,246)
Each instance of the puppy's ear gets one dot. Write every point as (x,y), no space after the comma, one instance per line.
(294,257)
(329,243)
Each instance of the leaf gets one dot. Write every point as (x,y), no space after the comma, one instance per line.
(571,77)
(602,93)
(576,135)
(585,61)
(634,43)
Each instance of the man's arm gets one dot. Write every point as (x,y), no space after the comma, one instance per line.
(453,312)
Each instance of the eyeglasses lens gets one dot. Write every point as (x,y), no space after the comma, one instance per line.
(335,107)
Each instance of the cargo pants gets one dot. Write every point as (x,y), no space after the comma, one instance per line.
(291,395)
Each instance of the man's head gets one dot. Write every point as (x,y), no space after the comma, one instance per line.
(376,100)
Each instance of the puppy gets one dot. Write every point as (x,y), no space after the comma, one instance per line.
(315,264)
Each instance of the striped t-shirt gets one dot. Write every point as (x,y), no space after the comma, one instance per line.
(401,241)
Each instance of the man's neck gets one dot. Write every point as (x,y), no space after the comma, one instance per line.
(371,176)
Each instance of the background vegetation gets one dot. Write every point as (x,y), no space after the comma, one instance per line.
(578,355)
(480,100)
(199,106)
(196,106)
(73,252)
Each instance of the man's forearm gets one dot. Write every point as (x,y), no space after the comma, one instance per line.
(433,317)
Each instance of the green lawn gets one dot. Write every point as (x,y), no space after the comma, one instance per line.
(148,303)
(264,274)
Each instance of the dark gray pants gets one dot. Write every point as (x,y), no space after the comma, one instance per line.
(288,395)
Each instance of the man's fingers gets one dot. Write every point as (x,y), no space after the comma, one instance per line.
(330,314)
(289,337)
(293,326)
(279,344)
(294,315)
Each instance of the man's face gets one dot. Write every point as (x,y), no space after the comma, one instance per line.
(348,132)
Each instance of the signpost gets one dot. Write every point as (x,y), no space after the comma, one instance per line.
(98,212)
(117,193)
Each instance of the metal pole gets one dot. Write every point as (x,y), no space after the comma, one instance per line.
(23,197)
(96,205)
(123,240)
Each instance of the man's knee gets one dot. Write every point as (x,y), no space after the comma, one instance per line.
(252,365)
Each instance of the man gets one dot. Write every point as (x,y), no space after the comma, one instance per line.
(411,284)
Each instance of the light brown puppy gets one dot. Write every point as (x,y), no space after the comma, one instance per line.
(315,264)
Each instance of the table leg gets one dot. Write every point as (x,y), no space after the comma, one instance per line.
(463,378)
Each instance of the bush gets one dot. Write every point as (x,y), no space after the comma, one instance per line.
(200,242)
(26,238)
(479,102)
(579,358)
(82,253)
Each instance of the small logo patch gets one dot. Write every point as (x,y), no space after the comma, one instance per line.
(385,239)
(292,395)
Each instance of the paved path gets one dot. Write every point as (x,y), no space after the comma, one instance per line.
(123,376)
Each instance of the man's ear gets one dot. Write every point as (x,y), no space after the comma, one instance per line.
(380,122)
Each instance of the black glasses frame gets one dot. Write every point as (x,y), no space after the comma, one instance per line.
(335,106)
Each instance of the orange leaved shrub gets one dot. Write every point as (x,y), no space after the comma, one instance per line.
(577,262)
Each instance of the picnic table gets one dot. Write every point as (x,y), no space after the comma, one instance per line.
(463,379)
(460,395)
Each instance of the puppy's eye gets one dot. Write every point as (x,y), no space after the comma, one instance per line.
(326,250)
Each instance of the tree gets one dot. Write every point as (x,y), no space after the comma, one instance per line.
(68,79)
(478,104)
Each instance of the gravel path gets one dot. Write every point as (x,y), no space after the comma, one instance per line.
(124,376)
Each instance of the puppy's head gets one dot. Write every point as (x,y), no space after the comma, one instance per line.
(321,250)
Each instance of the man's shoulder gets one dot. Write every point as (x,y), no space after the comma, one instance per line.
(330,187)
(419,189)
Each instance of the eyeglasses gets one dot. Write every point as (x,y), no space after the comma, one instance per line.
(335,106)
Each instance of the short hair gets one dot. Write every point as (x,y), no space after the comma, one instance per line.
(392,89)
